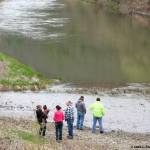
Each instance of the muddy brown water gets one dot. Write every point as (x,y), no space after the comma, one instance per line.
(75,41)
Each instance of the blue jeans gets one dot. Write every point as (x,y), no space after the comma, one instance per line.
(80,120)
(70,127)
(58,127)
(95,119)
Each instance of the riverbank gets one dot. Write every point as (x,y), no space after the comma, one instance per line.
(23,134)
(140,10)
(126,121)
(18,77)
(15,76)
(127,6)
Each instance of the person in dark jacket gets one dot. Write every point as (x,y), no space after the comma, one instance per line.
(41,120)
(81,111)
(69,118)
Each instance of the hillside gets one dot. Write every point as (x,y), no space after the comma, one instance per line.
(17,76)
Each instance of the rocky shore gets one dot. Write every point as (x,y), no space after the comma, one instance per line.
(22,135)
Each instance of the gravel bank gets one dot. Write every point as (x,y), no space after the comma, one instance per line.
(10,139)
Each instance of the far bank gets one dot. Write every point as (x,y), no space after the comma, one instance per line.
(127,6)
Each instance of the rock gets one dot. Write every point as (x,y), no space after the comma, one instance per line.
(4,88)
(34,88)
(17,88)
(34,79)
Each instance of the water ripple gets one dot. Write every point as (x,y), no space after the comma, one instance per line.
(36,19)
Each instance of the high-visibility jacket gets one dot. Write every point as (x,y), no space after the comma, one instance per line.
(97,109)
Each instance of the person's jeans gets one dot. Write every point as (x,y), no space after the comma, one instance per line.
(58,127)
(80,120)
(95,119)
(70,127)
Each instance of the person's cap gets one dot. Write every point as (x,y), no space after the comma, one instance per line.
(98,99)
(81,98)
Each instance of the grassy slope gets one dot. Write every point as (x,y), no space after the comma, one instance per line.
(19,76)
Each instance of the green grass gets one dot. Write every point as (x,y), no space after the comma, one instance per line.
(18,74)
(113,6)
(29,137)
(26,136)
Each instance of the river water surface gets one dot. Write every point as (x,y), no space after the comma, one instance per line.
(126,112)
(75,41)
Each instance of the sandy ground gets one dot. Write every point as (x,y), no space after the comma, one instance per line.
(125,112)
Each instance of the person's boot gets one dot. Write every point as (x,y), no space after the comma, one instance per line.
(40,131)
(70,137)
(101,132)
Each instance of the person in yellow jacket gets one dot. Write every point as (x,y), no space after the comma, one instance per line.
(98,112)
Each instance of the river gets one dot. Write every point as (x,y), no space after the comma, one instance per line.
(75,41)
(125,112)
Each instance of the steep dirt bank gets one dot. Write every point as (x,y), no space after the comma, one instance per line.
(22,134)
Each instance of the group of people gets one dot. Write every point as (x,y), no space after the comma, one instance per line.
(68,115)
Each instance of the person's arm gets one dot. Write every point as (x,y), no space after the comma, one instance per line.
(84,108)
(72,113)
(54,117)
(44,115)
(66,114)
(48,110)
(103,110)
(76,105)
(62,116)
